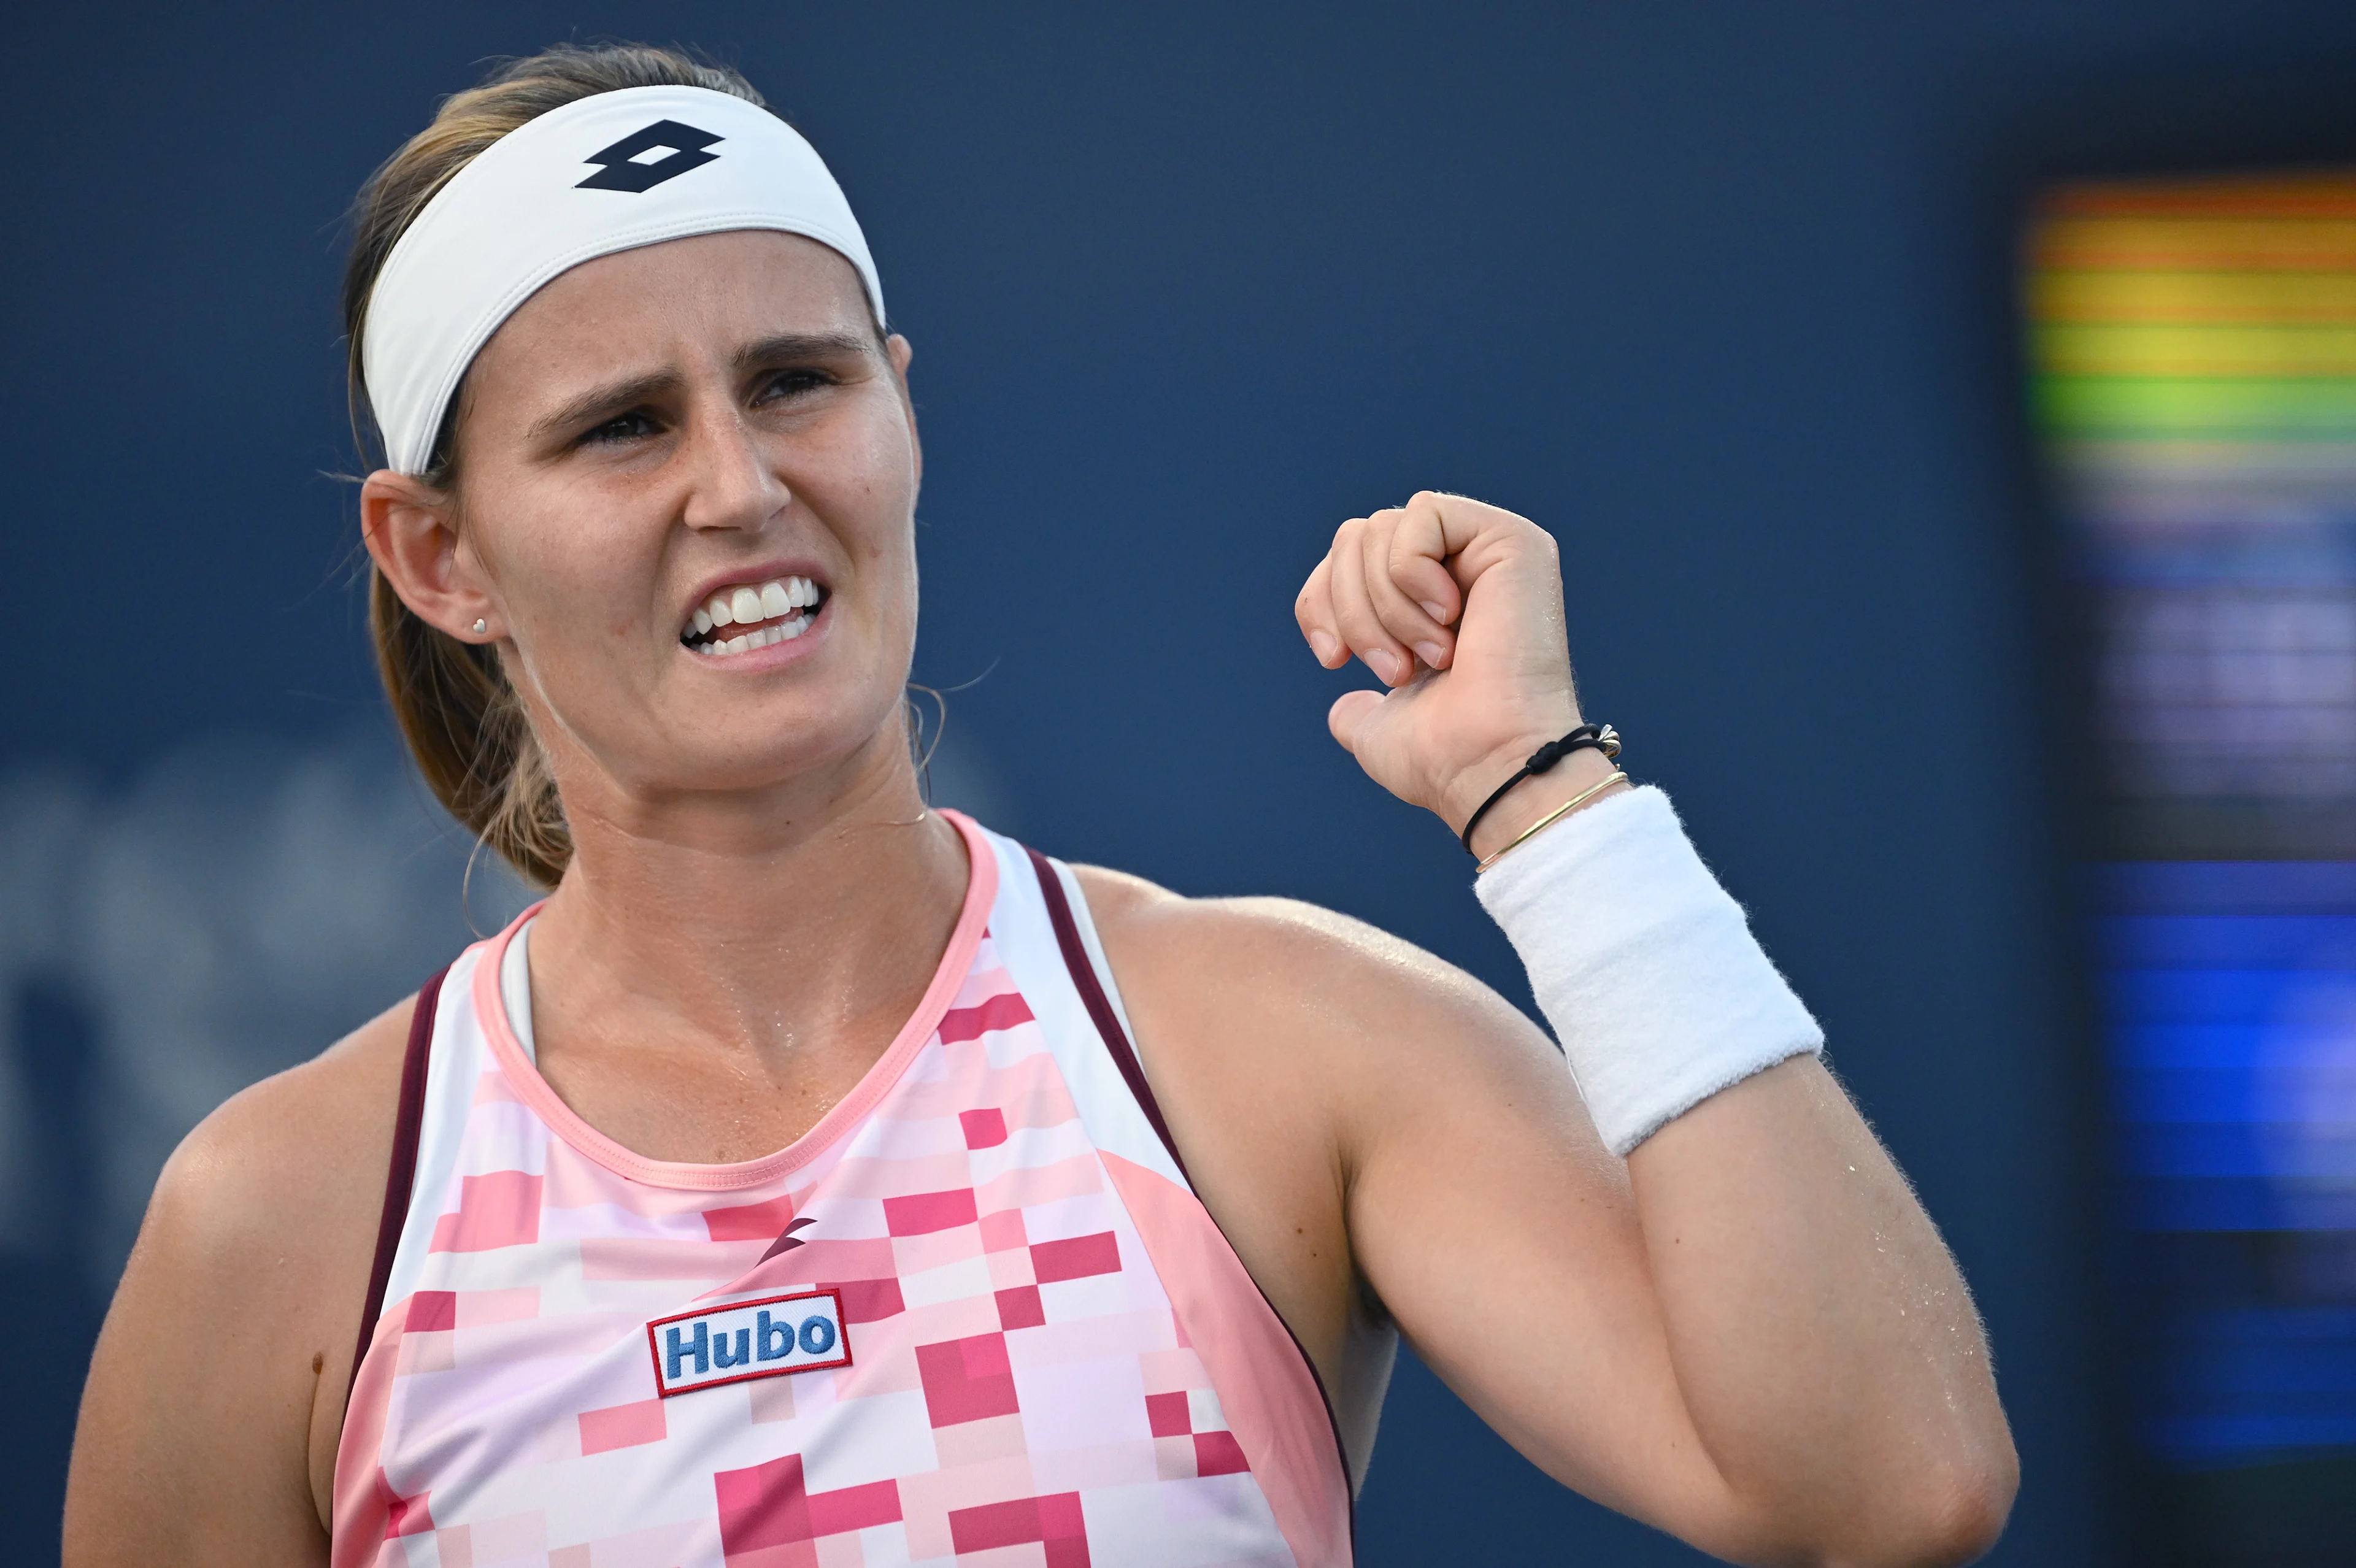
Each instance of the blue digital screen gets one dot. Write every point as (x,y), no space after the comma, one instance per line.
(2194,347)
(2228,999)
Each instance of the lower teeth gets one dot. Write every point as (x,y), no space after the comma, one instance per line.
(784,631)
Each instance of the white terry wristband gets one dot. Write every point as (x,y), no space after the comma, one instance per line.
(1645,967)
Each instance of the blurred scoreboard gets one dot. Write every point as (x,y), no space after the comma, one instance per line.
(2193,356)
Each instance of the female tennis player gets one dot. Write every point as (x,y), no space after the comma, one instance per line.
(817,1179)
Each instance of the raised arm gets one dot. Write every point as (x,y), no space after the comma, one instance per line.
(1750,1334)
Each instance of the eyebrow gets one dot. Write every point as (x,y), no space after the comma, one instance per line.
(617,395)
(599,399)
(801,345)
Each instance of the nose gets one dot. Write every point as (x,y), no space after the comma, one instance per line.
(732,483)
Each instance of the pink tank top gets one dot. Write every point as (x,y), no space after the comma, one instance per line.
(976,1316)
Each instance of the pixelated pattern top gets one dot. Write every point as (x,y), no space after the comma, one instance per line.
(975,1316)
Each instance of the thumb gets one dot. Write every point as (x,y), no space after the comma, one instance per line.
(1349,714)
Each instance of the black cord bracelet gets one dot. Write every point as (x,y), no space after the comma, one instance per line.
(1600,737)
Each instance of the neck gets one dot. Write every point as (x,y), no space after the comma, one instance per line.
(767,929)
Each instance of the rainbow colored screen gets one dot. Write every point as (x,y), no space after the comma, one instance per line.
(2193,349)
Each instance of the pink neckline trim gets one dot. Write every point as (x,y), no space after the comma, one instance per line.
(980,894)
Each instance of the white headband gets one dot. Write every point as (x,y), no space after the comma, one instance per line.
(603,174)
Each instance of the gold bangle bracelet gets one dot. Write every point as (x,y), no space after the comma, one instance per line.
(1552,817)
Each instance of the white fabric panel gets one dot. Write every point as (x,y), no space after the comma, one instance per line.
(1086,921)
(1025,938)
(515,989)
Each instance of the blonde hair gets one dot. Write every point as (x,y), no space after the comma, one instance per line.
(459,715)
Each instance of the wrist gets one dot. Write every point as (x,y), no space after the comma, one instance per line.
(1657,989)
(1473,782)
(1529,801)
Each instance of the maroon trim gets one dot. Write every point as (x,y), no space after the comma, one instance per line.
(827,1292)
(401,1176)
(1124,1056)
(1099,1005)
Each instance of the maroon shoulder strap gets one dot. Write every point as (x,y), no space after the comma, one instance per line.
(401,1176)
(1099,1005)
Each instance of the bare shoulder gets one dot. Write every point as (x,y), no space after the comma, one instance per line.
(1274,1023)
(1130,910)
(1274,1014)
(267,1212)
(1272,952)
(221,1370)
(290,1151)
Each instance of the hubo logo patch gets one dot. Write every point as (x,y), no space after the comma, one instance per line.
(765,1338)
(644,159)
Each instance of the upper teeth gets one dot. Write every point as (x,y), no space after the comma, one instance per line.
(780,597)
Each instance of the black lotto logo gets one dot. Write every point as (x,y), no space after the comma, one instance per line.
(628,167)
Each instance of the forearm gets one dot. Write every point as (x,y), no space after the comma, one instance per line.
(1823,1341)
(1818,1333)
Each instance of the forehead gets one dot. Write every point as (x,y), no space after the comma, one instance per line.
(681,299)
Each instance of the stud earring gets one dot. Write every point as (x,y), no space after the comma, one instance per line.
(478,625)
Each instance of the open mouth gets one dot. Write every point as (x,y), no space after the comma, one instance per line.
(737,620)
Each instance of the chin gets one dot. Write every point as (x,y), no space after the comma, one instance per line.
(753,753)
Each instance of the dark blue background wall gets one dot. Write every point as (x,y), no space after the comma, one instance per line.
(1719,293)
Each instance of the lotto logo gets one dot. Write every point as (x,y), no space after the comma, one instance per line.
(764,1338)
(644,159)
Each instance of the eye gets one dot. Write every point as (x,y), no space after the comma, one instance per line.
(632,426)
(794,383)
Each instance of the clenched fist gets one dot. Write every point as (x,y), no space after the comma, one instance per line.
(1457,607)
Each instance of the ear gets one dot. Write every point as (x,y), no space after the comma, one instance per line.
(902,351)
(407,526)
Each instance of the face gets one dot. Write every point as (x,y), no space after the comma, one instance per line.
(685,511)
